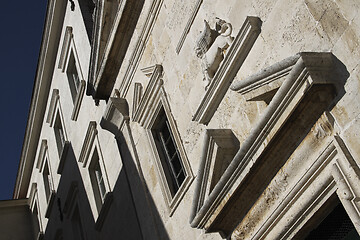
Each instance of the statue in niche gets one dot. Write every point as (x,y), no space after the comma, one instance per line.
(211,46)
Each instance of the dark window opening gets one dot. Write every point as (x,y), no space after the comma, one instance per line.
(168,152)
(47,181)
(73,77)
(97,179)
(59,134)
(336,226)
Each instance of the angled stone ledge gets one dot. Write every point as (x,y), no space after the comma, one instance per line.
(264,84)
(228,69)
(88,143)
(220,146)
(307,91)
(151,94)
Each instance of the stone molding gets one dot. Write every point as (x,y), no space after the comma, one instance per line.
(188,26)
(39,100)
(140,114)
(234,58)
(78,100)
(88,143)
(42,154)
(339,172)
(140,47)
(104,66)
(213,162)
(153,99)
(261,86)
(310,71)
(54,102)
(138,91)
(65,48)
(68,47)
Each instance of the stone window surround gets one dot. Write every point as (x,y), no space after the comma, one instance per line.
(150,103)
(34,202)
(337,166)
(54,110)
(214,140)
(311,69)
(90,145)
(43,157)
(68,49)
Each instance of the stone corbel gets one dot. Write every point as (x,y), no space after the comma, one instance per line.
(116,114)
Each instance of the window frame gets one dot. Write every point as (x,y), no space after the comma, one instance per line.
(91,144)
(69,60)
(172,169)
(49,187)
(172,199)
(147,108)
(99,188)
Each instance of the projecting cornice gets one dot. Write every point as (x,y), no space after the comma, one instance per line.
(46,65)
(307,87)
(114,27)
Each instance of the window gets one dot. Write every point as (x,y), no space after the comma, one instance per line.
(69,63)
(168,152)
(97,180)
(47,181)
(34,203)
(73,77)
(154,114)
(59,134)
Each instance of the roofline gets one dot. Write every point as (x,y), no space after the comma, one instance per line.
(46,62)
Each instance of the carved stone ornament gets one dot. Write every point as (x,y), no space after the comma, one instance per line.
(211,46)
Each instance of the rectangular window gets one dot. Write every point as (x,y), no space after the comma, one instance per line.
(73,77)
(47,180)
(97,179)
(59,134)
(168,152)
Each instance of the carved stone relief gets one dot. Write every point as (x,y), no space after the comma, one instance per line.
(211,46)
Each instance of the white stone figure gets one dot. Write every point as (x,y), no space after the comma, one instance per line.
(211,46)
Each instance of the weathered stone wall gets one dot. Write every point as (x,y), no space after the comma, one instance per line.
(288,27)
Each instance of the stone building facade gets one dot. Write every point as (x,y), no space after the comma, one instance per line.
(203,119)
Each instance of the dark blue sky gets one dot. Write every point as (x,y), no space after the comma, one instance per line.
(21,32)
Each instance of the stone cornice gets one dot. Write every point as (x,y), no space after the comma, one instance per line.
(46,64)
(309,88)
(104,67)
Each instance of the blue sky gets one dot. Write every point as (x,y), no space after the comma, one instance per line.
(21,32)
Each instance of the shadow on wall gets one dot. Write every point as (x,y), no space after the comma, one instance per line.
(132,213)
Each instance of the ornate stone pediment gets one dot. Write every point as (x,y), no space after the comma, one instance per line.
(306,90)
(114,25)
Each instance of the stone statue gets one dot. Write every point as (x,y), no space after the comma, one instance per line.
(211,46)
